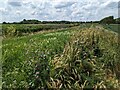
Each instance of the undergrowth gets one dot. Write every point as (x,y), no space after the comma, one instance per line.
(89,60)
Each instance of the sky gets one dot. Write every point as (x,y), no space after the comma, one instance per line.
(52,10)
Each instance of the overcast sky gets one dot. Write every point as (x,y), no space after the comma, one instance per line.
(75,10)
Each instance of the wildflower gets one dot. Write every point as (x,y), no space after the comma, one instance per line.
(37,72)
(37,77)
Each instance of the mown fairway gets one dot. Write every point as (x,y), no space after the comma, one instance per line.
(84,56)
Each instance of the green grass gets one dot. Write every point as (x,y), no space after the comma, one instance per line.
(48,59)
(10,30)
(89,60)
(113,27)
(21,53)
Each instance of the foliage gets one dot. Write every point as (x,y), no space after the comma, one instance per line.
(117,20)
(22,54)
(73,58)
(11,30)
(108,20)
(112,27)
(25,29)
(89,60)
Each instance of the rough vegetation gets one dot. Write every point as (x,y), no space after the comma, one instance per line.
(75,58)
(11,30)
(89,60)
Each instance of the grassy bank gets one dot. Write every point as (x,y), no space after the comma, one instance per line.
(73,58)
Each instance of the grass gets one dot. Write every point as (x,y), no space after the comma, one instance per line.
(113,27)
(10,30)
(21,53)
(79,57)
(89,60)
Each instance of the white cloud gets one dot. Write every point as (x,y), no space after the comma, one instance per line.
(63,4)
(16,10)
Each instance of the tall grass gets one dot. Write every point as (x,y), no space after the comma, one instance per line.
(89,60)
(74,58)
(21,54)
(12,30)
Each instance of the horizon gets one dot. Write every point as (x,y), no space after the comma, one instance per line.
(57,20)
(60,10)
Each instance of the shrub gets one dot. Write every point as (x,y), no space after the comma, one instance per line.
(11,30)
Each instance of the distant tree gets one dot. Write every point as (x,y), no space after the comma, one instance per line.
(4,22)
(108,20)
(30,21)
(24,20)
(117,20)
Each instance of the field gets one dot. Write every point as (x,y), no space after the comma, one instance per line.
(23,29)
(60,57)
(113,27)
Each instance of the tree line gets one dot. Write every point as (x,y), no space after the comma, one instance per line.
(106,20)
(110,20)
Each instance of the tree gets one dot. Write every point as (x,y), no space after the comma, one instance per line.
(24,20)
(4,22)
(108,20)
(117,20)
